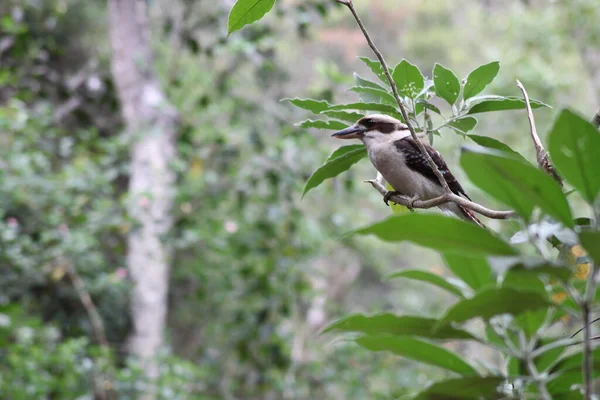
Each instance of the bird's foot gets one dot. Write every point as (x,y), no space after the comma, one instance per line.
(411,202)
(390,193)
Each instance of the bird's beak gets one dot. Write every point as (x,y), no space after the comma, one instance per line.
(350,132)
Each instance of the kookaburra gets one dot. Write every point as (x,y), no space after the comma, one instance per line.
(397,157)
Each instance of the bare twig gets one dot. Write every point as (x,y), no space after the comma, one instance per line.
(436,171)
(437,201)
(543,159)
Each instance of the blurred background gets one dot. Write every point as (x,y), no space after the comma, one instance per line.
(255,271)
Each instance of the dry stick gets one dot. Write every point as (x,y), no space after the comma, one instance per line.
(543,159)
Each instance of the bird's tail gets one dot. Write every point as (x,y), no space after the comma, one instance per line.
(469,215)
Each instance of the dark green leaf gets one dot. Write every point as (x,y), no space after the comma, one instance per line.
(439,232)
(574,147)
(492,143)
(571,371)
(517,184)
(408,78)
(347,116)
(475,272)
(425,276)
(396,325)
(591,242)
(463,125)
(447,85)
(316,106)
(479,78)
(368,94)
(320,124)
(245,12)
(547,359)
(376,68)
(500,103)
(526,281)
(418,350)
(384,108)
(334,167)
(464,388)
(428,106)
(367,83)
(343,150)
(494,301)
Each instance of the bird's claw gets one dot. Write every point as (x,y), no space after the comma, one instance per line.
(390,193)
(411,202)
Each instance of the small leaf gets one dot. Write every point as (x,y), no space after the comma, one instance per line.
(492,143)
(362,82)
(245,12)
(368,94)
(418,350)
(494,301)
(574,146)
(315,106)
(517,184)
(334,167)
(479,78)
(447,85)
(463,125)
(591,242)
(408,78)
(347,116)
(320,124)
(439,232)
(474,271)
(464,388)
(425,276)
(500,103)
(387,323)
(384,108)
(376,68)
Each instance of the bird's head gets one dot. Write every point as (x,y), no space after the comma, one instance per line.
(376,127)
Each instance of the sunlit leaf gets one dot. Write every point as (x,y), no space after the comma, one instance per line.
(320,124)
(447,85)
(333,167)
(574,146)
(245,12)
(474,271)
(500,103)
(439,232)
(418,350)
(316,106)
(464,388)
(429,277)
(517,184)
(479,78)
(408,78)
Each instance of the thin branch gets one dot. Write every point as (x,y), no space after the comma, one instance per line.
(437,201)
(543,159)
(436,171)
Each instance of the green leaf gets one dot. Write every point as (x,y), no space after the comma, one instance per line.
(547,359)
(494,301)
(376,68)
(320,124)
(245,12)
(447,85)
(362,82)
(492,143)
(479,78)
(463,125)
(426,105)
(387,323)
(464,388)
(591,242)
(408,78)
(439,232)
(474,271)
(351,117)
(343,150)
(333,167)
(571,373)
(526,281)
(517,184)
(418,350)
(500,103)
(384,108)
(425,276)
(368,94)
(574,146)
(315,106)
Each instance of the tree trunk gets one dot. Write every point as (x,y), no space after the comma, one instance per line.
(151,125)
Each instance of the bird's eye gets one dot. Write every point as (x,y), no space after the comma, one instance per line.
(368,122)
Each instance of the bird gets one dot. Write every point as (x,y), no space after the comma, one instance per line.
(395,154)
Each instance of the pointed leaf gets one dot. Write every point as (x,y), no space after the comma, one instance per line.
(362,82)
(463,125)
(396,325)
(574,147)
(425,276)
(494,301)
(316,106)
(447,85)
(492,143)
(474,271)
(591,242)
(334,167)
(479,78)
(517,184)
(500,103)
(464,388)
(418,350)
(368,94)
(384,108)
(408,78)
(343,150)
(376,68)
(426,105)
(320,124)
(245,12)
(439,232)
(347,116)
